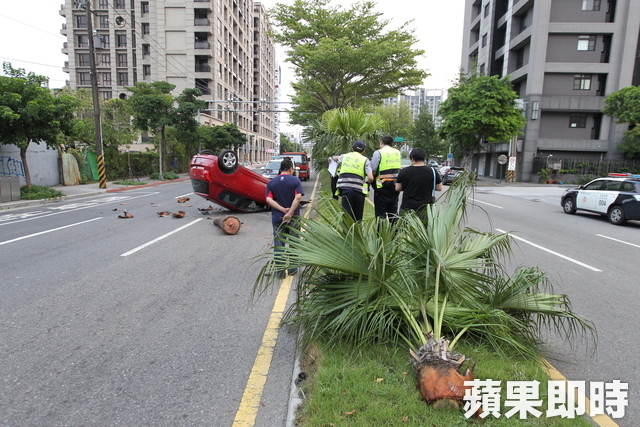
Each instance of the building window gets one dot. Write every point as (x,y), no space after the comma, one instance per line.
(103,4)
(83,60)
(219,49)
(146,29)
(484,40)
(106,95)
(120,4)
(123,79)
(105,41)
(83,40)
(146,70)
(106,79)
(84,78)
(590,4)
(582,82)
(105,60)
(486,10)
(578,120)
(482,70)
(81,21)
(122,60)
(104,21)
(586,42)
(519,58)
(146,50)
(219,70)
(145,7)
(524,21)
(219,27)
(121,40)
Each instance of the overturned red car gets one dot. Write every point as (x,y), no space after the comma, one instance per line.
(223,181)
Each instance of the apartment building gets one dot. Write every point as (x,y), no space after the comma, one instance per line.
(419,99)
(218,46)
(564,57)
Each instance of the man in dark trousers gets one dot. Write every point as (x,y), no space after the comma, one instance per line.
(418,183)
(355,174)
(283,194)
(386,163)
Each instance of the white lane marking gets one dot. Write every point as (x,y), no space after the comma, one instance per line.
(619,241)
(485,203)
(69,207)
(184,195)
(552,252)
(48,231)
(132,251)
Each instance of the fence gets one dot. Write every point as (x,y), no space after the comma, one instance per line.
(583,169)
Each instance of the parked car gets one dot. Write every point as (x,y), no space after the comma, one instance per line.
(302,162)
(433,164)
(223,181)
(272,168)
(452,174)
(616,196)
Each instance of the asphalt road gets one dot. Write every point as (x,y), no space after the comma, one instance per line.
(589,259)
(146,321)
(149,321)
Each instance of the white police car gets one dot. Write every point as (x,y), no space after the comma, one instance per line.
(616,196)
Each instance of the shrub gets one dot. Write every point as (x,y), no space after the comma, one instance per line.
(38,192)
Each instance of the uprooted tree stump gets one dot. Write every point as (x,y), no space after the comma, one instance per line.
(438,373)
(229,224)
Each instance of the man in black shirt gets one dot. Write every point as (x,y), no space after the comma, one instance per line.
(418,183)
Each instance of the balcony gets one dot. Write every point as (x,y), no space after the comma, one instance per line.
(62,11)
(202,45)
(203,68)
(201,22)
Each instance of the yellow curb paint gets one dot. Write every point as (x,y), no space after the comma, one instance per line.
(600,419)
(250,403)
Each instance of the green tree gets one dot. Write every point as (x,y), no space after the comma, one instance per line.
(185,122)
(480,109)
(217,138)
(115,117)
(343,57)
(426,136)
(337,131)
(624,106)
(29,112)
(287,145)
(152,105)
(399,119)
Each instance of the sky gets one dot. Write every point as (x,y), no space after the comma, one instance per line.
(30,36)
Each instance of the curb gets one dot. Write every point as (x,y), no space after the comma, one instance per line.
(133,187)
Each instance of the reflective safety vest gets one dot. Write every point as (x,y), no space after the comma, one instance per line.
(352,174)
(390,164)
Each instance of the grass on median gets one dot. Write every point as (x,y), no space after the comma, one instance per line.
(375,386)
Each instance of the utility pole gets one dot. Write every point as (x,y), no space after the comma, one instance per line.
(96,99)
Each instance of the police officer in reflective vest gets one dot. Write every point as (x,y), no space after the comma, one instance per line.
(386,164)
(355,174)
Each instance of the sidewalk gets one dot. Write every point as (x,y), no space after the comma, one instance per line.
(87,190)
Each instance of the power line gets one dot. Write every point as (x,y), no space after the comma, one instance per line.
(36,28)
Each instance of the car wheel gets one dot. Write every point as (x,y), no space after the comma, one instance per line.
(616,215)
(228,161)
(207,152)
(569,205)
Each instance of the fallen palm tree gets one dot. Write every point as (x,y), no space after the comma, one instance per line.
(374,282)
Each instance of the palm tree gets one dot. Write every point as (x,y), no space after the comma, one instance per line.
(339,128)
(370,281)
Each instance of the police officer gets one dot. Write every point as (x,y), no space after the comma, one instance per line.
(386,164)
(355,175)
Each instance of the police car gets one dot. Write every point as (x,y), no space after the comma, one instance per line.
(616,196)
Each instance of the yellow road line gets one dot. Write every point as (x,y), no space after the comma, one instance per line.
(600,419)
(250,403)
